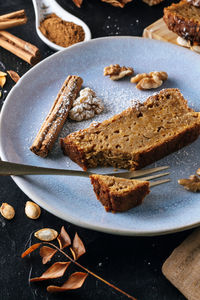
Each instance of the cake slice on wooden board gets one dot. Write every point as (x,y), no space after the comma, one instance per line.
(183,18)
(182,268)
(119,194)
(138,136)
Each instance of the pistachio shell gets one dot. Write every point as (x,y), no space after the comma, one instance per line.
(7,211)
(46,234)
(183,42)
(3,74)
(32,210)
(2,80)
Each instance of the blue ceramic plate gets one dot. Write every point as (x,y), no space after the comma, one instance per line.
(168,208)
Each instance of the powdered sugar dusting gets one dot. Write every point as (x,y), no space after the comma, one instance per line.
(115,100)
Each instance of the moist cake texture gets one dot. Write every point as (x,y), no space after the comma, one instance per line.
(138,136)
(119,194)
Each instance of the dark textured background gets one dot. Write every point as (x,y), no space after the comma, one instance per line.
(131,263)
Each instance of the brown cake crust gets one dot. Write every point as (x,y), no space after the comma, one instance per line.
(72,146)
(76,154)
(186,27)
(119,203)
(144,158)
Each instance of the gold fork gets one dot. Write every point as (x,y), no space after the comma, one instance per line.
(9,168)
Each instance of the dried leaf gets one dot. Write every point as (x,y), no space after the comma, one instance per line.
(15,77)
(75,281)
(63,238)
(30,249)
(46,234)
(73,253)
(78,246)
(2,80)
(78,3)
(47,253)
(55,271)
(117,3)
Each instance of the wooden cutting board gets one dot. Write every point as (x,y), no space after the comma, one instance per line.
(159,31)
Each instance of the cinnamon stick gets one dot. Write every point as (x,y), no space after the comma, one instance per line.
(15,18)
(19,47)
(55,120)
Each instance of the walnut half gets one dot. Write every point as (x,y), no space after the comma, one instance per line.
(117,3)
(86,106)
(192,184)
(147,81)
(116,72)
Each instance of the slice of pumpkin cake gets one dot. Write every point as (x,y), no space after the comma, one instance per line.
(138,136)
(119,194)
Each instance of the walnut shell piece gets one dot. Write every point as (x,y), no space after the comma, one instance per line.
(192,184)
(139,77)
(183,42)
(86,106)
(115,72)
(147,81)
(117,3)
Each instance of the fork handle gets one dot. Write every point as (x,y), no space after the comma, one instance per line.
(9,168)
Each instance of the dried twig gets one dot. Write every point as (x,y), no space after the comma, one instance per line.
(58,269)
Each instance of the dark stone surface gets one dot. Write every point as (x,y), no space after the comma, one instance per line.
(131,263)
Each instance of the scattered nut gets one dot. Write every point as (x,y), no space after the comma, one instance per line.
(192,184)
(86,106)
(149,81)
(198,171)
(139,77)
(117,3)
(7,211)
(183,42)
(15,77)
(195,48)
(46,234)
(32,210)
(2,74)
(116,72)
(159,75)
(2,78)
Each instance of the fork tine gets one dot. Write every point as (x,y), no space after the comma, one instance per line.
(138,173)
(157,182)
(153,176)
